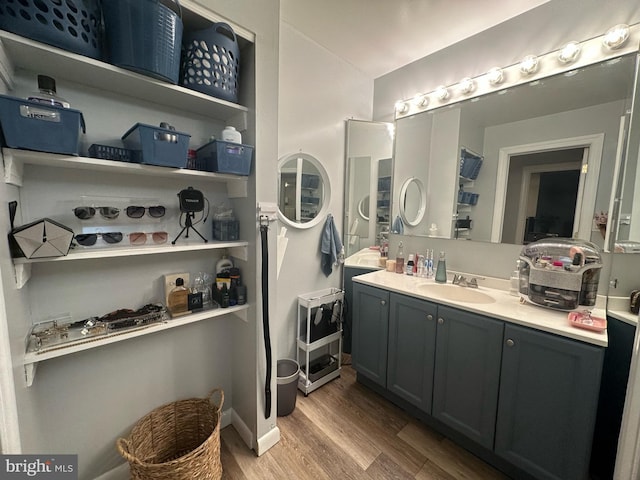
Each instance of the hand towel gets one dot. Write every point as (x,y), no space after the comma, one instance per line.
(331,248)
(398,226)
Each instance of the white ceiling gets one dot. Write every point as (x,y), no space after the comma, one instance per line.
(379,36)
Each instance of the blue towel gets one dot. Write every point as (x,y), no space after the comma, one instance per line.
(398,226)
(331,249)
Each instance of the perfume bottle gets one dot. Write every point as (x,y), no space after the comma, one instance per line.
(178,298)
(400,259)
(47,93)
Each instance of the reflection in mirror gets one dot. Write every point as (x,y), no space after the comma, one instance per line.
(303,190)
(552,141)
(412,201)
(367,196)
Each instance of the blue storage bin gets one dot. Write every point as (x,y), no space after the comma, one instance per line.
(73,26)
(158,146)
(34,126)
(226,157)
(145,36)
(211,62)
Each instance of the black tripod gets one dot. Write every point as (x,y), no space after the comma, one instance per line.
(188,224)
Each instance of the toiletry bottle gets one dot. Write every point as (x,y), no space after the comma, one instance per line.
(224,296)
(441,271)
(241,290)
(47,93)
(400,259)
(409,268)
(178,301)
(224,264)
(514,285)
(230,134)
(430,264)
(420,262)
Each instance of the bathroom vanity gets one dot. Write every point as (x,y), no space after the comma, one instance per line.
(512,382)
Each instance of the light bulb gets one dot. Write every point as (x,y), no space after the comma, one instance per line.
(402,106)
(421,101)
(442,93)
(529,64)
(616,36)
(467,85)
(569,52)
(496,76)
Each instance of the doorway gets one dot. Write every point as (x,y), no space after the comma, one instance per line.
(542,195)
(581,153)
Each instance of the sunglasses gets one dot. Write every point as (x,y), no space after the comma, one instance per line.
(135,211)
(85,213)
(89,239)
(140,238)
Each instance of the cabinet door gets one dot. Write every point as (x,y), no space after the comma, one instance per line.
(548,400)
(370,332)
(348,274)
(467,372)
(412,344)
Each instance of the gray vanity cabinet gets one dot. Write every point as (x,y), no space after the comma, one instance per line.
(412,341)
(548,400)
(370,332)
(467,373)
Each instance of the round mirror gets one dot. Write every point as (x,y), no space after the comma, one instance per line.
(412,201)
(303,190)
(363,207)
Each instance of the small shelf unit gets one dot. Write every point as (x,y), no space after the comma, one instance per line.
(319,356)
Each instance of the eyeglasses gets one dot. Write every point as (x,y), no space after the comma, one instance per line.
(140,238)
(85,213)
(135,211)
(89,239)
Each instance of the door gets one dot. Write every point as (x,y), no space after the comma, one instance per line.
(412,343)
(370,332)
(467,373)
(548,400)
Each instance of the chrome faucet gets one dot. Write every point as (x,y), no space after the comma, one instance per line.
(463,282)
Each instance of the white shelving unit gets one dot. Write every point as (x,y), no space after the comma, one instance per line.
(320,358)
(18,52)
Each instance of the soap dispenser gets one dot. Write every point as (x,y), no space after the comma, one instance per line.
(441,270)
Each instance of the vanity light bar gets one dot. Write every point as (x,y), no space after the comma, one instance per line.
(618,41)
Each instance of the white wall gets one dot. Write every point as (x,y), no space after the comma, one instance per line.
(318,92)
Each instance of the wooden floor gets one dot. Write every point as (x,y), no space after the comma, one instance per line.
(344,430)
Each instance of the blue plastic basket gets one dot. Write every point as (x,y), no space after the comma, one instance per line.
(34,126)
(157,146)
(144,36)
(211,62)
(72,25)
(226,157)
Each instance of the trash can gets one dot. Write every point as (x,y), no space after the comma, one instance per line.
(287,378)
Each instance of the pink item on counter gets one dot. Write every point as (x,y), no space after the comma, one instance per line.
(585,320)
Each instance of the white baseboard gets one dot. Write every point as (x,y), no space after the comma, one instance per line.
(268,440)
(242,429)
(121,472)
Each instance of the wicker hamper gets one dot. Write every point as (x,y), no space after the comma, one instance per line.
(177,441)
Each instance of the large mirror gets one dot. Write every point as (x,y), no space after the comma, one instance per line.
(546,155)
(367,183)
(303,190)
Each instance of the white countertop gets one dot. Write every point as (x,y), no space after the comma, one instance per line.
(506,307)
(366,258)
(618,307)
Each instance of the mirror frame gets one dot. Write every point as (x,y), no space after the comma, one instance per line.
(326,190)
(402,199)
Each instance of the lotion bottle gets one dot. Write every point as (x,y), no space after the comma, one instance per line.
(441,271)
(400,259)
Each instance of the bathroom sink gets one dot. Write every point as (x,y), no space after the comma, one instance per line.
(370,260)
(455,293)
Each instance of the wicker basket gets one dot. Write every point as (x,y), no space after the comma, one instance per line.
(177,441)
